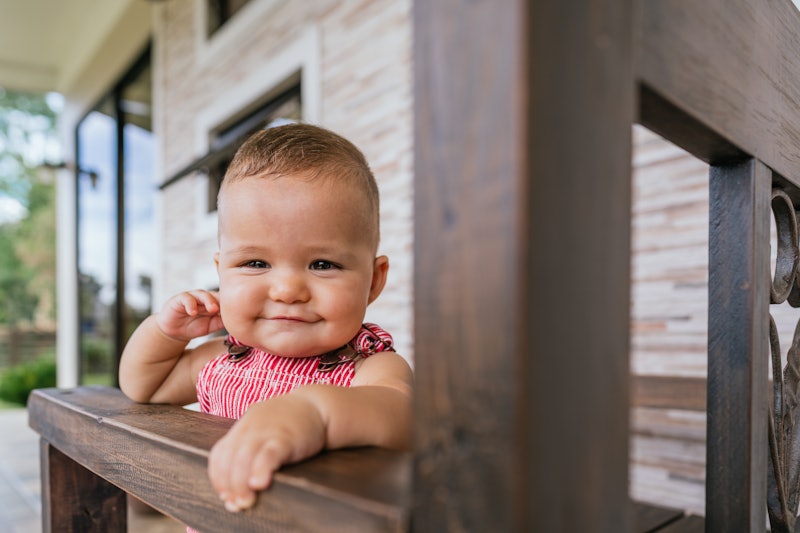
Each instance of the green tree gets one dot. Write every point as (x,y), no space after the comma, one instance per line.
(36,247)
(27,243)
(27,138)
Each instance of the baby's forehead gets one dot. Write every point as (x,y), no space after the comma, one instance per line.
(334,196)
(349,189)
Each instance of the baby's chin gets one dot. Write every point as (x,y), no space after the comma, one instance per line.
(293,344)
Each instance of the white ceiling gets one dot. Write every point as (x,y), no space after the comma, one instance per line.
(35,38)
(46,44)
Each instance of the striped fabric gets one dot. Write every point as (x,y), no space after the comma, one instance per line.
(227,385)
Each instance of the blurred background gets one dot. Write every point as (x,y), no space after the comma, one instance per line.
(28,141)
(117,120)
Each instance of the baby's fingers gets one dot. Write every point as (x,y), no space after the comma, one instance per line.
(208,300)
(228,469)
(237,473)
(219,466)
(273,454)
(199,302)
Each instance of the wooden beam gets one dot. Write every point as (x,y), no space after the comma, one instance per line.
(669,392)
(80,500)
(731,67)
(522,236)
(738,322)
(159,454)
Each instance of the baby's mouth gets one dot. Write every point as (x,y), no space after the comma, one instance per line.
(287,318)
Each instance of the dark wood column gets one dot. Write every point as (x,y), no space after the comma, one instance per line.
(522,212)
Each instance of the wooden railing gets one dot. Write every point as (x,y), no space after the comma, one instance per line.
(97,446)
(714,78)
(522,277)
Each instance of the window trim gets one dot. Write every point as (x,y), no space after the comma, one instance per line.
(226,149)
(142,61)
(211,48)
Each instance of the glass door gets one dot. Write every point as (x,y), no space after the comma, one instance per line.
(115,234)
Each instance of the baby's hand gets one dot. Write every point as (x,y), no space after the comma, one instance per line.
(272,433)
(189,315)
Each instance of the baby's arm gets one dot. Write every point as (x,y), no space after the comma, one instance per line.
(156,366)
(375,410)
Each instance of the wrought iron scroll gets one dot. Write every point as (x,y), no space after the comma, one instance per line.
(783,485)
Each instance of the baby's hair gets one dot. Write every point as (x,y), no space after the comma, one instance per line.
(307,150)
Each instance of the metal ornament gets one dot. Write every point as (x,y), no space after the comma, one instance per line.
(237,352)
(334,358)
(783,483)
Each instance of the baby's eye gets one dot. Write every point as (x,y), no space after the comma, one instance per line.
(321,264)
(255,263)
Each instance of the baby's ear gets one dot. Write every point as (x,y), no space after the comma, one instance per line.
(216,261)
(380,270)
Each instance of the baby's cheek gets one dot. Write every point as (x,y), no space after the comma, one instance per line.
(234,303)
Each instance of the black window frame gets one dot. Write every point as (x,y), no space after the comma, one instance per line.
(119,312)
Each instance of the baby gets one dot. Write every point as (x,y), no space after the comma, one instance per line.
(298,266)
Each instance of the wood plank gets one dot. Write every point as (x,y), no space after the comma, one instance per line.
(669,392)
(738,319)
(160,453)
(689,524)
(469,169)
(522,239)
(725,66)
(650,517)
(75,500)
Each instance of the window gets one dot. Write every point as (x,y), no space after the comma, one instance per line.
(115,192)
(226,139)
(219,12)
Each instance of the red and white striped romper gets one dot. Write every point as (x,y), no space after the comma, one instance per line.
(229,384)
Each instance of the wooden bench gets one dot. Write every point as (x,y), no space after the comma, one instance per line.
(97,446)
(522,152)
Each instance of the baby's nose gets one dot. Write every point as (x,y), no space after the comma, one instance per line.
(287,287)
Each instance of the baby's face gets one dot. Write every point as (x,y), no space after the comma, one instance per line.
(296,265)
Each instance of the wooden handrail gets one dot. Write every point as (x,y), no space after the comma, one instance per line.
(97,445)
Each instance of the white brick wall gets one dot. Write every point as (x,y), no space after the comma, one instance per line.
(364,92)
(669,317)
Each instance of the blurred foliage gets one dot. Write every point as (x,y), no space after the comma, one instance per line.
(97,355)
(17,382)
(27,135)
(27,245)
(17,302)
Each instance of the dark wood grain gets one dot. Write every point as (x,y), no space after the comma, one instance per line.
(652,518)
(522,238)
(159,454)
(738,321)
(731,67)
(79,500)
(690,524)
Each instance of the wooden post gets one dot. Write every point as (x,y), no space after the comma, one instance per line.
(522,215)
(738,349)
(75,500)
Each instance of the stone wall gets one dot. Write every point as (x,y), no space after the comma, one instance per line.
(669,317)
